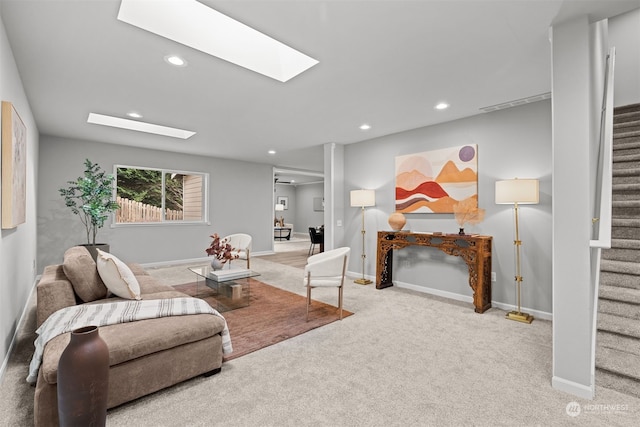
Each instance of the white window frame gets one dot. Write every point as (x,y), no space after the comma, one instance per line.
(163,222)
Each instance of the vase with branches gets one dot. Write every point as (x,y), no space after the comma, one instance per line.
(467,212)
(90,197)
(221,250)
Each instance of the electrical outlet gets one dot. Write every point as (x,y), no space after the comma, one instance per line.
(493,276)
(339,223)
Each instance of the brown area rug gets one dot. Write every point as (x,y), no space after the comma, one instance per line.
(273,315)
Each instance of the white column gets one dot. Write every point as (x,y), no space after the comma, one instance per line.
(571,109)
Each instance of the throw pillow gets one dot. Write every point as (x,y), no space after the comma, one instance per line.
(80,269)
(119,278)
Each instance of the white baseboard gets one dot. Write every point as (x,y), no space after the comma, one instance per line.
(3,368)
(573,388)
(537,314)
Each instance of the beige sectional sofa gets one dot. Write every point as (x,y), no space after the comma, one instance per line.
(144,356)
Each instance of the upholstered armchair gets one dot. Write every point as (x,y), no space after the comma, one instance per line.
(242,246)
(326,269)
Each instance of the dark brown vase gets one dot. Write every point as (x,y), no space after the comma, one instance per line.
(83,379)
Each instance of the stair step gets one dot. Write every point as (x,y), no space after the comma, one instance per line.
(625,244)
(619,325)
(621,254)
(626,158)
(625,222)
(625,203)
(626,127)
(618,362)
(626,141)
(622,343)
(626,187)
(616,293)
(616,382)
(623,267)
(624,232)
(622,309)
(629,116)
(624,135)
(619,279)
(626,108)
(626,171)
(625,179)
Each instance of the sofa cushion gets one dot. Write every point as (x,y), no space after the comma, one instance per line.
(81,271)
(119,278)
(129,341)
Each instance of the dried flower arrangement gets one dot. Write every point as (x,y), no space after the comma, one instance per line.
(221,249)
(468,212)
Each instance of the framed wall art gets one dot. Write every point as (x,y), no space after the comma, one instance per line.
(14,167)
(284,201)
(435,181)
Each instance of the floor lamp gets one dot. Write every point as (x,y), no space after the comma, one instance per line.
(363,199)
(517,192)
(279,208)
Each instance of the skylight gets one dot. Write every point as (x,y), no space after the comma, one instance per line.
(198,26)
(100,119)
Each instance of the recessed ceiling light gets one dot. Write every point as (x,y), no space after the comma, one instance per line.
(365,127)
(271,151)
(442,106)
(175,60)
(100,119)
(134,115)
(196,25)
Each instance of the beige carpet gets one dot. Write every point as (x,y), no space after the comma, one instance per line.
(404,359)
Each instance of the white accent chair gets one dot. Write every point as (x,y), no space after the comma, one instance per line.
(326,269)
(242,246)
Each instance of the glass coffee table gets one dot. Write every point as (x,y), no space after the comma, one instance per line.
(225,293)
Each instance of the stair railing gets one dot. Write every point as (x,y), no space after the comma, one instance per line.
(601,232)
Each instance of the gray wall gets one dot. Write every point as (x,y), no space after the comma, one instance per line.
(511,143)
(305,216)
(239,201)
(17,245)
(624,35)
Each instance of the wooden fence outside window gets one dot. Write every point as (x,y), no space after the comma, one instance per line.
(132,211)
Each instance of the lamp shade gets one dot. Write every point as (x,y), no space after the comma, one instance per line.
(521,191)
(363,198)
(279,207)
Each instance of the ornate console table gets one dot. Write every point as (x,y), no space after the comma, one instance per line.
(474,249)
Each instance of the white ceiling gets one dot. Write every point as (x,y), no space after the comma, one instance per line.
(386,63)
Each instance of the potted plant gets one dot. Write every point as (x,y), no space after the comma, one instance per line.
(91,198)
(221,250)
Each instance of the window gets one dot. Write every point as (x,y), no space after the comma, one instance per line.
(148,195)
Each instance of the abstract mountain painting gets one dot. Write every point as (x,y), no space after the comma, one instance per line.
(435,181)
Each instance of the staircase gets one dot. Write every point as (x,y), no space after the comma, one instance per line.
(618,339)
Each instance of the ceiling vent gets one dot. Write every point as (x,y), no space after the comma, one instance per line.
(517,102)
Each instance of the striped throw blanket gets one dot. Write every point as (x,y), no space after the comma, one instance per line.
(71,318)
